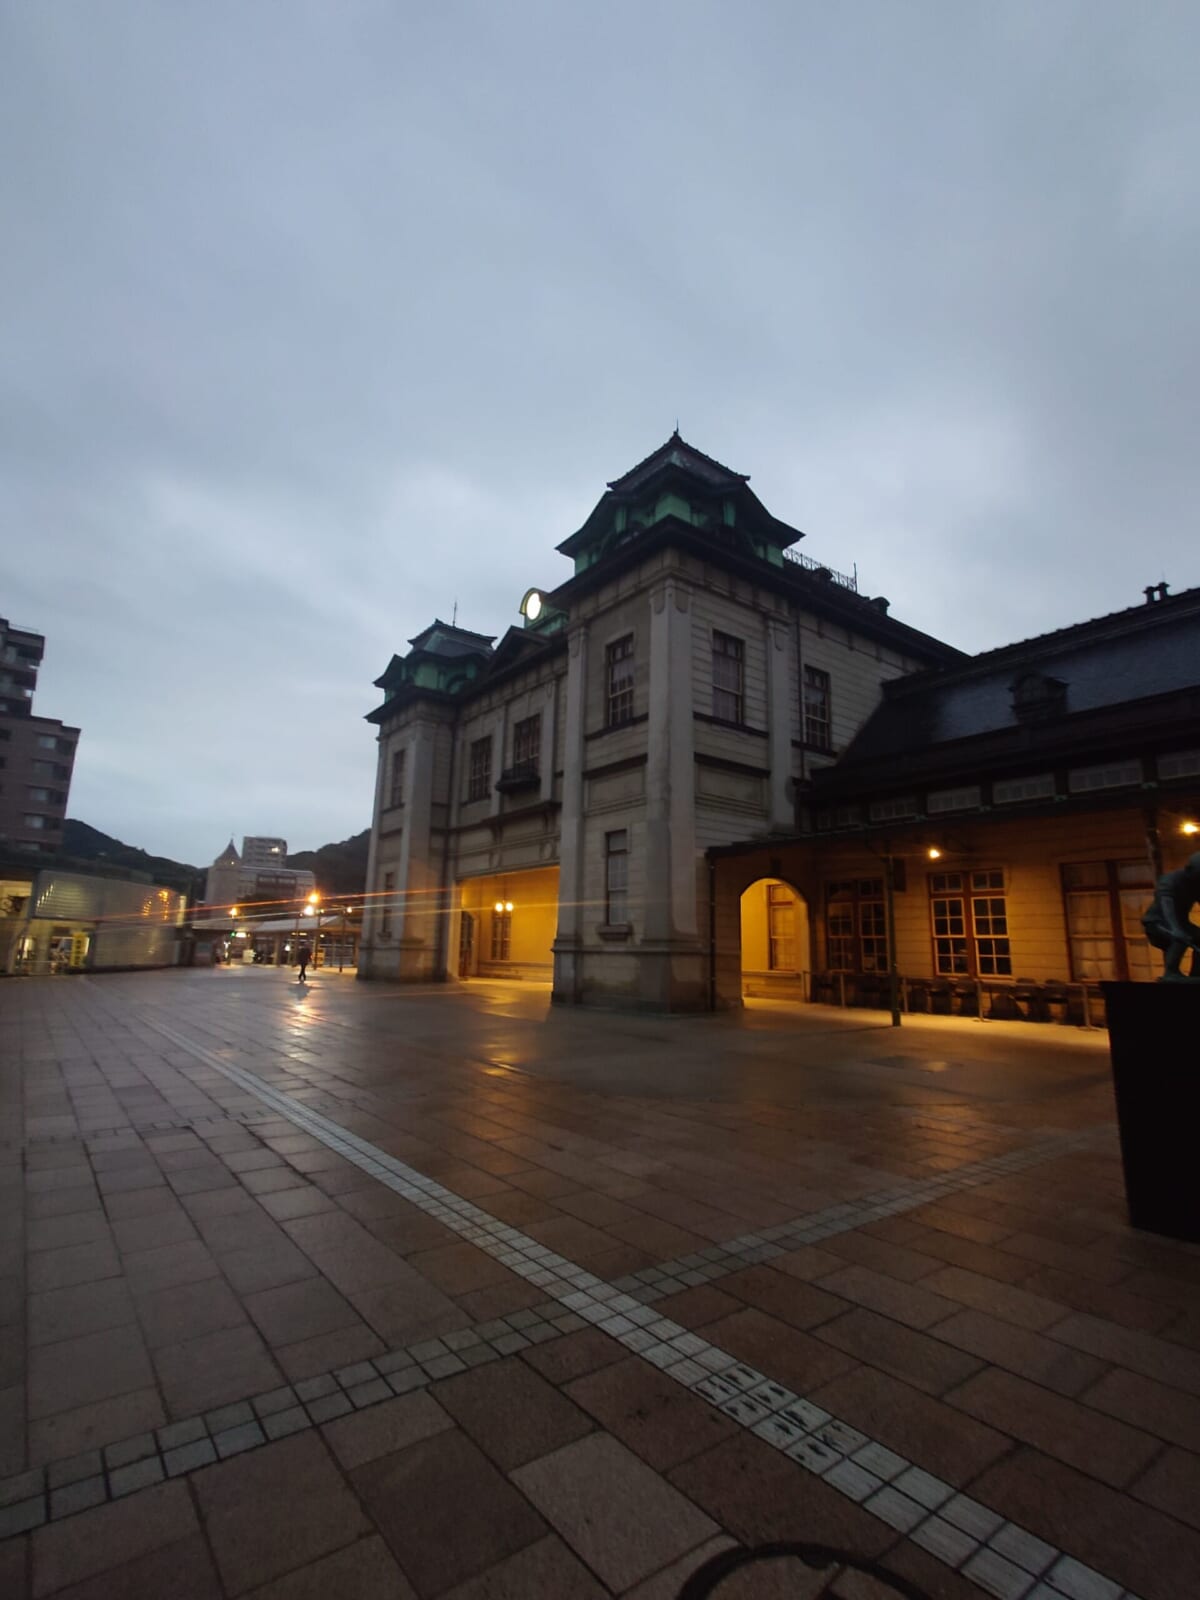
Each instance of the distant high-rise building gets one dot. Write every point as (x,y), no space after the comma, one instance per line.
(259,873)
(37,754)
(259,851)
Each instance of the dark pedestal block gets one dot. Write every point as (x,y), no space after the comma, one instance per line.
(1154,1039)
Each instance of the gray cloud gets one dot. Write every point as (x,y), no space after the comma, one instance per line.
(319,318)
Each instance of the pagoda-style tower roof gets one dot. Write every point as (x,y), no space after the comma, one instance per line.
(678,482)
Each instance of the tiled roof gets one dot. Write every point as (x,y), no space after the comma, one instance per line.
(677,452)
(1132,655)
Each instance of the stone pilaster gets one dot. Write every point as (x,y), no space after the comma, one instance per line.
(569,940)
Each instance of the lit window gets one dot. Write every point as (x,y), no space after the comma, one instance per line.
(969,917)
(728,660)
(618,664)
(781,928)
(856,926)
(818,730)
(501,935)
(616,878)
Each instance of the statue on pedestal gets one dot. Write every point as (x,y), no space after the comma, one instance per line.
(1168,923)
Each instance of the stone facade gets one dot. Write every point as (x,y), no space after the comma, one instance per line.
(544,805)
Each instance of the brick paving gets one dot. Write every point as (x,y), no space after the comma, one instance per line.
(361,1291)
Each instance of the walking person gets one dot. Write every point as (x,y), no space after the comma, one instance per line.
(303,957)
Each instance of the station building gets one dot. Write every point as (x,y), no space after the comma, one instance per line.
(706,766)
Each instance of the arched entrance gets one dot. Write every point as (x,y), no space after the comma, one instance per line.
(505,924)
(776,941)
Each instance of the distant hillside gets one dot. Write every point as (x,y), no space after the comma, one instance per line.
(340,869)
(88,846)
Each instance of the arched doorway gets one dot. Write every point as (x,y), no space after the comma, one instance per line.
(776,941)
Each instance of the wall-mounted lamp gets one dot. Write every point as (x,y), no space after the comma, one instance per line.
(934,853)
(1189,827)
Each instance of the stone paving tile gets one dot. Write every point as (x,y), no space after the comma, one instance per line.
(1172,1484)
(621,1518)
(310,1357)
(656,1417)
(300,1310)
(384,1429)
(76,1263)
(1143,1353)
(1030,1355)
(545,1569)
(511,1413)
(924,1361)
(1155,1556)
(187,1311)
(184,1571)
(942,1438)
(214,1369)
(362,1571)
(417,1497)
(1001,1300)
(271,1510)
(797,1359)
(68,1433)
(110,1536)
(1146,1404)
(81,1371)
(59,1314)
(574,1355)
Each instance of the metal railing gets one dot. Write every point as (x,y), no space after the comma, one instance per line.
(811,564)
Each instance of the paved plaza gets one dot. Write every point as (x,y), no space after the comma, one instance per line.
(352,1291)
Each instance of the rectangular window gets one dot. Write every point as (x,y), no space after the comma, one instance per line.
(1180,764)
(969,918)
(527,744)
(904,805)
(47,741)
(396,792)
(501,935)
(40,796)
(479,775)
(952,800)
(1112,775)
(1105,903)
(728,661)
(839,817)
(618,669)
(385,914)
(856,926)
(781,928)
(1009,791)
(35,821)
(818,729)
(616,878)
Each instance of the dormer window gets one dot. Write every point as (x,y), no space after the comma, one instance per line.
(1035,694)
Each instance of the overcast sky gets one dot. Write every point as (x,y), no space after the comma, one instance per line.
(315,318)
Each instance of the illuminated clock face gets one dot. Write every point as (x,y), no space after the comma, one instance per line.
(533,605)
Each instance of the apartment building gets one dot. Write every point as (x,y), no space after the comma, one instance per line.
(37,754)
